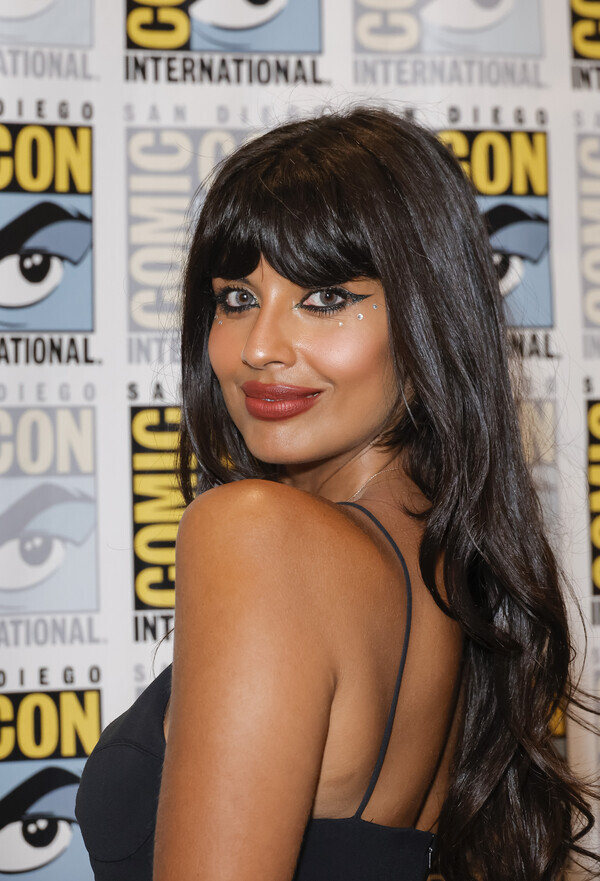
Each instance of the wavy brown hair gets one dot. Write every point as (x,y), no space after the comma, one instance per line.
(367,193)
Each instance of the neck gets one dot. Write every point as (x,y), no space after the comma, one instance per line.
(341,478)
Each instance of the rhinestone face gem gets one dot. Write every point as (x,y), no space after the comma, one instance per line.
(360,316)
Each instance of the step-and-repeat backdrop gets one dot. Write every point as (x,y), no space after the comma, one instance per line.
(111,115)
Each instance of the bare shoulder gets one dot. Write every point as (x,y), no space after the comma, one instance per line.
(258,496)
(269,533)
(249,511)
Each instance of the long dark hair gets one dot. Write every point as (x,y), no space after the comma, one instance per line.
(367,193)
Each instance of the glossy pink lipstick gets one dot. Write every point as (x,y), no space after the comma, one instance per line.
(272,402)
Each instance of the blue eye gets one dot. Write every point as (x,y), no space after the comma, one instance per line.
(35,531)
(33,249)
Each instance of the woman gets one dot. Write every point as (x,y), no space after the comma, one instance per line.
(371,638)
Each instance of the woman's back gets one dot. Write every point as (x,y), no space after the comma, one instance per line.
(370,619)
(312,602)
(380,633)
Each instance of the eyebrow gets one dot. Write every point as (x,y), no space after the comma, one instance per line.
(22,227)
(242,280)
(16,517)
(16,802)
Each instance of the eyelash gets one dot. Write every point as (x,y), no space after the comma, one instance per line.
(348,299)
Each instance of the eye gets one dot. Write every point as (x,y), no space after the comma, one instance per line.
(242,298)
(33,248)
(325,299)
(27,278)
(232,300)
(516,236)
(33,842)
(466,15)
(29,559)
(35,530)
(510,269)
(236,14)
(330,299)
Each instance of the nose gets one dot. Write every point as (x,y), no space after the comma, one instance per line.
(270,339)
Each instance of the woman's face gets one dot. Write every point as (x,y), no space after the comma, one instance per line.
(306,374)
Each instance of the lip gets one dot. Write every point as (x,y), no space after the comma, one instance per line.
(276,401)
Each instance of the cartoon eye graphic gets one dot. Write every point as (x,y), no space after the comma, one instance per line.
(33,248)
(35,531)
(29,278)
(466,15)
(32,842)
(24,8)
(36,820)
(236,14)
(516,236)
(510,269)
(30,560)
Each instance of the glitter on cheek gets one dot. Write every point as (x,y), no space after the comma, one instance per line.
(360,316)
(374,305)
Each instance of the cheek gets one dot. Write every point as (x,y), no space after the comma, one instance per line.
(357,355)
(222,351)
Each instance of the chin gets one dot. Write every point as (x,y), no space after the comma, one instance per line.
(285,454)
(287,457)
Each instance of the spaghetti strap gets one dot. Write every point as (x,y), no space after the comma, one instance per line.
(390,720)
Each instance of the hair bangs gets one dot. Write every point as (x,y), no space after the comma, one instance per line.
(304,225)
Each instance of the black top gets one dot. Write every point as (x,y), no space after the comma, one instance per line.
(118,798)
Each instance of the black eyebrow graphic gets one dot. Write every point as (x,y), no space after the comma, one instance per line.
(513,231)
(16,802)
(38,499)
(14,235)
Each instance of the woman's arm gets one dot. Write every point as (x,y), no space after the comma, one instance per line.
(253,684)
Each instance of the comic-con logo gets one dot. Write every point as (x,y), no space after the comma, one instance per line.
(47,510)
(593,417)
(39,836)
(588,173)
(45,228)
(224,25)
(585,44)
(585,30)
(164,169)
(46,22)
(157,504)
(48,724)
(478,27)
(44,737)
(510,172)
